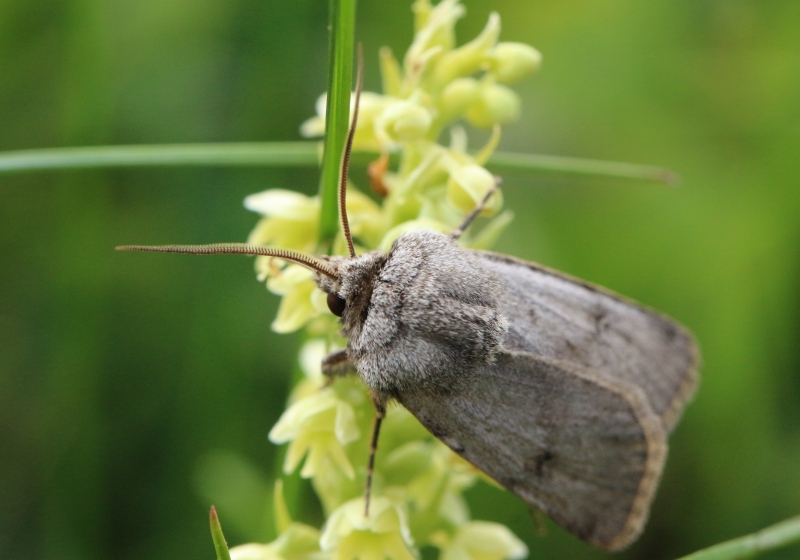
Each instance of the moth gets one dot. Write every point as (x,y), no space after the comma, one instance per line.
(561,391)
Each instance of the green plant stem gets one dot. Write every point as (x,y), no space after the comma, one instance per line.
(560,164)
(289,154)
(341,20)
(220,545)
(777,536)
(153,155)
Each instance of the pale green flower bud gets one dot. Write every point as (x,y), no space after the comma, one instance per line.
(411,225)
(254,551)
(311,355)
(371,106)
(432,477)
(511,62)
(434,30)
(384,534)
(319,425)
(468,58)
(496,104)
(468,185)
(457,96)
(296,284)
(367,220)
(297,542)
(481,540)
(291,220)
(403,121)
(422,10)
(315,126)
(282,203)
(302,300)
(391,75)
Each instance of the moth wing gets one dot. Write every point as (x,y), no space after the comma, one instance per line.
(585,452)
(555,316)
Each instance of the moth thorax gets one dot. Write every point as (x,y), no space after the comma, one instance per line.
(433,317)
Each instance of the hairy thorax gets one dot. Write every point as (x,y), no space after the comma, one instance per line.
(420,317)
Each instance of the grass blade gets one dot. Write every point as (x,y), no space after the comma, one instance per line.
(342,18)
(228,154)
(773,537)
(580,166)
(219,539)
(290,154)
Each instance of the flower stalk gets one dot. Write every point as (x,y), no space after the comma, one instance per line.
(418,483)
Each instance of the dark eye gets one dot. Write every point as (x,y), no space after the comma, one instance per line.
(336,304)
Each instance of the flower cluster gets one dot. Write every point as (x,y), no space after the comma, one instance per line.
(418,482)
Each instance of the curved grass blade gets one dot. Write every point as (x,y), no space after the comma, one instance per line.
(288,154)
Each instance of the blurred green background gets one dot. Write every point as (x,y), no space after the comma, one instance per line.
(135,391)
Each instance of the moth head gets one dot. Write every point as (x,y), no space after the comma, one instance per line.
(350,292)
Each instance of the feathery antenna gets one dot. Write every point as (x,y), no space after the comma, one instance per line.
(309,261)
(346,157)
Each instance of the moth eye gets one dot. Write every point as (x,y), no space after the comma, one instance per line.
(336,304)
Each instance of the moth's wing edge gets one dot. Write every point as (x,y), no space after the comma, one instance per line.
(656,459)
(688,386)
(656,435)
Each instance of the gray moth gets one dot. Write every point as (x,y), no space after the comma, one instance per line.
(559,390)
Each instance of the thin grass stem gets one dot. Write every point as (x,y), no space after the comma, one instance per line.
(776,536)
(341,18)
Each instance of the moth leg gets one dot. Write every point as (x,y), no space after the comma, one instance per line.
(337,364)
(477,210)
(380,413)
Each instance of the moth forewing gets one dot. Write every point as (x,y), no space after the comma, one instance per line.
(557,316)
